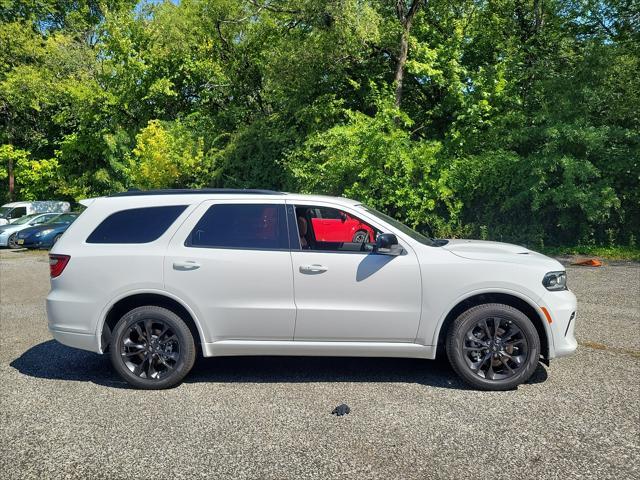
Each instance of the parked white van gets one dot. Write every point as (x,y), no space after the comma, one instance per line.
(10,212)
(156,277)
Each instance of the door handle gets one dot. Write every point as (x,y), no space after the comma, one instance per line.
(186,265)
(315,268)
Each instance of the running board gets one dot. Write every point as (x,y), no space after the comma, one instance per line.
(225,348)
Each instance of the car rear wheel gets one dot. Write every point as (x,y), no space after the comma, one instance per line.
(493,347)
(360,236)
(12,241)
(152,348)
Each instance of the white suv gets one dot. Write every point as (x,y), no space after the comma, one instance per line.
(157,277)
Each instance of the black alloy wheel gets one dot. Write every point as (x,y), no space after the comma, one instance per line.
(152,348)
(493,347)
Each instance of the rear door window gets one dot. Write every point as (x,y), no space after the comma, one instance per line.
(241,226)
(136,225)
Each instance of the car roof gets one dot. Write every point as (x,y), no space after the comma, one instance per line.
(33,202)
(226,193)
(199,191)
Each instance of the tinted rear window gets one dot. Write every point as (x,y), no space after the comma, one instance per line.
(136,225)
(248,226)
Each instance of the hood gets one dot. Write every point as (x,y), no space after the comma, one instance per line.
(45,226)
(500,252)
(10,228)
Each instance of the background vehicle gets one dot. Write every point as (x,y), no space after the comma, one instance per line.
(332,226)
(46,234)
(9,232)
(10,212)
(154,277)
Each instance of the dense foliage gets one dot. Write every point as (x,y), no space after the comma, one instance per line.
(507,119)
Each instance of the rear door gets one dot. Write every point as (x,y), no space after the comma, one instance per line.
(230,260)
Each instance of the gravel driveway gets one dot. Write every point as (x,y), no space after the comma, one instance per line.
(65,414)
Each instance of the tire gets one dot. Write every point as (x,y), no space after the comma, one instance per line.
(159,364)
(360,236)
(11,241)
(488,361)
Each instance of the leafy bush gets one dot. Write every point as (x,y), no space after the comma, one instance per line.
(34,179)
(166,155)
(373,159)
(532,199)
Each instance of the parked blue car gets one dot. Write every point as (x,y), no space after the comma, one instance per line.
(46,234)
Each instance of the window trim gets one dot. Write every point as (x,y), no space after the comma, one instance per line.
(186,243)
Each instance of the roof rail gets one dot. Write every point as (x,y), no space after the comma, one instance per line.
(188,191)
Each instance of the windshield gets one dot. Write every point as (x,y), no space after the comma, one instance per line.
(402,227)
(25,219)
(4,211)
(64,218)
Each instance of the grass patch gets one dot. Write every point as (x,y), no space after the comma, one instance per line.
(610,253)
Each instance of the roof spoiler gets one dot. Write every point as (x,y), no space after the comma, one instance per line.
(85,202)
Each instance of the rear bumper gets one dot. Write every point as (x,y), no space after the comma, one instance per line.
(67,321)
(82,341)
(562,307)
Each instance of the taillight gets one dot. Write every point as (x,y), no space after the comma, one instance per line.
(57,264)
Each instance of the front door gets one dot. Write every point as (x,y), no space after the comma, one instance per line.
(231,262)
(344,292)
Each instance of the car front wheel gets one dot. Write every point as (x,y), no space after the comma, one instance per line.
(152,348)
(493,347)
(12,241)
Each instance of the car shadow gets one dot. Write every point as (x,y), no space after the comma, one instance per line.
(371,264)
(54,361)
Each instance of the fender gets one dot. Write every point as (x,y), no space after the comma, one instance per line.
(534,304)
(130,293)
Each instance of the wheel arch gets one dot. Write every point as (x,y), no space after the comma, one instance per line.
(526,306)
(126,303)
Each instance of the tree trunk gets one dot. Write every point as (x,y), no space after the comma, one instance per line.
(406,17)
(11,178)
(402,60)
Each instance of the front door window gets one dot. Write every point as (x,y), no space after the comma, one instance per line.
(331,229)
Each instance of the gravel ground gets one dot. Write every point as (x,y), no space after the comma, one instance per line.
(65,414)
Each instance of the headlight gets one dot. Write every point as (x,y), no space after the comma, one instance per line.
(44,232)
(555,281)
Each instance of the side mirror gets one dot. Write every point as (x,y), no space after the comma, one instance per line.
(387,244)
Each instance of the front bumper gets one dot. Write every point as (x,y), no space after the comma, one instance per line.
(562,308)
(32,242)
